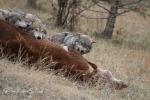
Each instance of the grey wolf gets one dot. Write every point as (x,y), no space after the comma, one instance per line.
(26,21)
(78,42)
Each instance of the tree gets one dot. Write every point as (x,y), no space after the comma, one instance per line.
(115,5)
(32,3)
(66,14)
(111,19)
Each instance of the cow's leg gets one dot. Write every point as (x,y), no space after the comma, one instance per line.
(107,77)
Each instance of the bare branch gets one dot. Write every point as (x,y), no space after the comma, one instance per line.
(103,7)
(92,17)
(67,12)
(100,5)
(86,8)
(95,11)
(126,11)
(131,3)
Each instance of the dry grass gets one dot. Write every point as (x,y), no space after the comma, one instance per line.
(19,83)
(127,56)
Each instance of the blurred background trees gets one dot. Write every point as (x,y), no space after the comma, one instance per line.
(67,12)
(32,3)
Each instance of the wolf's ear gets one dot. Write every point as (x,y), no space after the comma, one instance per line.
(93,41)
(7,19)
(78,35)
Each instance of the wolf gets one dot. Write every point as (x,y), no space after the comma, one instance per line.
(37,28)
(74,41)
(15,18)
(26,21)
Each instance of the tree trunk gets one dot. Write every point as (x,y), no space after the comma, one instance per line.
(32,3)
(66,14)
(62,6)
(109,28)
(73,19)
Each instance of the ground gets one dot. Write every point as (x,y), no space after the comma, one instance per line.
(127,56)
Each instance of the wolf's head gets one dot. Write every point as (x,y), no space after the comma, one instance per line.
(18,21)
(37,29)
(80,43)
(25,21)
(84,44)
(37,33)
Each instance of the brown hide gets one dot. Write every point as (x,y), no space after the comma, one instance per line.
(12,39)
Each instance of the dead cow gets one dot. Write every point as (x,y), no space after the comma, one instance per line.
(16,42)
(73,41)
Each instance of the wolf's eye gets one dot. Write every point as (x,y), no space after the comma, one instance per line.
(36,29)
(44,31)
(89,47)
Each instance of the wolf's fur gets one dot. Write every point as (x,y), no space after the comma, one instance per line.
(26,21)
(78,42)
(37,27)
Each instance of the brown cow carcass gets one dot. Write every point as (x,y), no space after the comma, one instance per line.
(17,43)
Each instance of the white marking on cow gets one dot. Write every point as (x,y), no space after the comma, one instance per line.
(65,48)
(90,68)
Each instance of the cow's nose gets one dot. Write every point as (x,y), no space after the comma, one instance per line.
(39,38)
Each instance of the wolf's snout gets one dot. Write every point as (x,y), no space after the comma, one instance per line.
(82,51)
(39,38)
(78,49)
(28,25)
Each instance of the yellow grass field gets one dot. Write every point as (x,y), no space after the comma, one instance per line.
(127,56)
